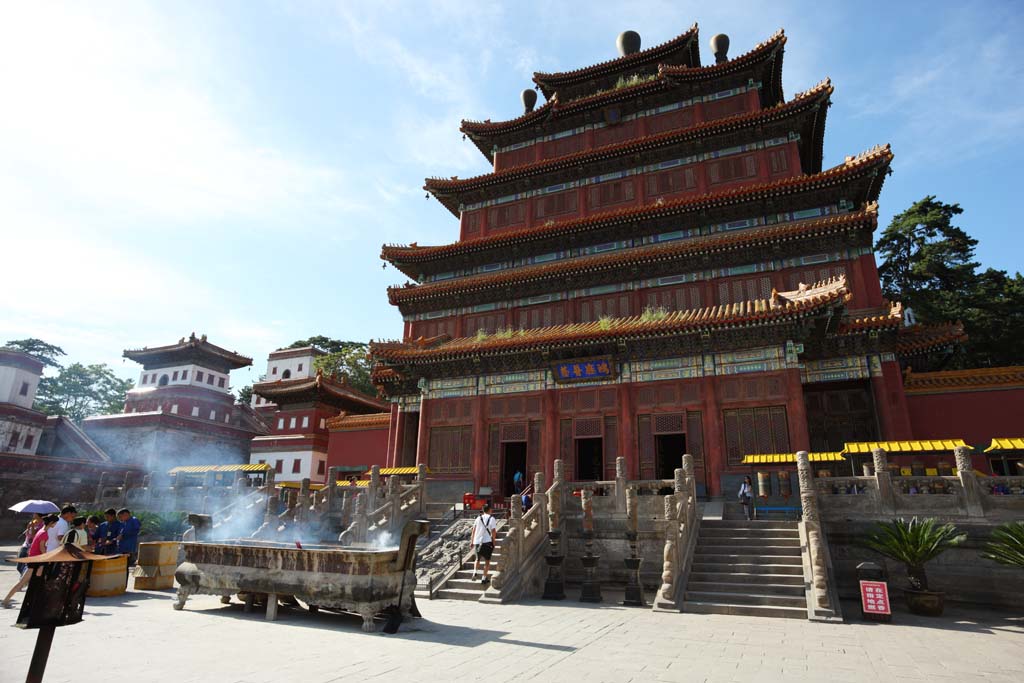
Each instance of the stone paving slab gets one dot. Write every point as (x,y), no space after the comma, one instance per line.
(531,641)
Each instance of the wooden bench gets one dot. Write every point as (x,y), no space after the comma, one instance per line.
(796,509)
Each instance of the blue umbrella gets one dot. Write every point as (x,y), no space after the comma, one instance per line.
(40,506)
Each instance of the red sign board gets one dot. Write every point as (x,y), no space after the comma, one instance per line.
(874,597)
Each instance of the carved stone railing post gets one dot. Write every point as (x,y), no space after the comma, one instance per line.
(670,555)
(421,481)
(591,591)
(303,501)
(620,484)
(373,490)
(812,524)
(331,489)
(634,596)
(969,481)
(395,500)
(554,585)
(540,499)
(883,479)
(356,531)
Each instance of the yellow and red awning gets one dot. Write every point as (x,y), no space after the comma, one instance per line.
(398,470)
(786,458)
(1009,444)
(202,469)
(920,446)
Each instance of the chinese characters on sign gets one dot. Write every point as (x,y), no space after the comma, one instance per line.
(874,597)
(583,370)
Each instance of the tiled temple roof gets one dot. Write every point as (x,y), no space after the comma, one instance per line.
(920,339)
(978,379)
(320,388)
(485,133)
(813,98)
(353,423)
(640,257)
(889,316)
(192,349)
(876,160)
(781,307)
(687,43)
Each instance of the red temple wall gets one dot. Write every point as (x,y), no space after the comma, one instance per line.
(781,161)
(671,297)
(363,447)
(975,416)
(678,119)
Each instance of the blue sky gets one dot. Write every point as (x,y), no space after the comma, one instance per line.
(234,167)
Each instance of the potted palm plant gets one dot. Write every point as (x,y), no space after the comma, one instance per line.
(1007,545)
(915,543)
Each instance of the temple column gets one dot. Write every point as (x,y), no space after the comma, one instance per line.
(890,401)
(398,422)
(393,436)
(627,436)
(479,443)
(714,446)
(422,433)
(549,442)
(796,412)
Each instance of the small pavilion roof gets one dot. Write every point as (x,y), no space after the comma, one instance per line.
(817,98)
(640,258)
(356,423)
(922,339)
(486,133)
(887,317)
(194,350)
(779,308)
(684,49)
(875,162)
(319,388)
(976,379)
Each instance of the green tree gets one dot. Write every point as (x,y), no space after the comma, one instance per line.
(48,353)
(245,394)
(344,359)
(929,266)
(79,391)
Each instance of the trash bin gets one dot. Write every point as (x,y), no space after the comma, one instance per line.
(874,592)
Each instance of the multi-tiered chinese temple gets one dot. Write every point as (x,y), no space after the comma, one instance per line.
(658,264)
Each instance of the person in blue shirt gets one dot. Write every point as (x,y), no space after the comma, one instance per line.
(128,539)
(517,482)
(106,537)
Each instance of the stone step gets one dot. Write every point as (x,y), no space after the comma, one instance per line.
(746,532)
(729,584)
(730,575)
(466,584)
(747,568)
(746,524)
(745,599)
(721,556)
(701,607)
(458,594)
(755,540)
(467,574)
(744,549)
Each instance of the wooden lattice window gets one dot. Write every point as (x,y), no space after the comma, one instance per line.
(613,306)
(565,448)
(682,298)
(471,223)
(611,446)
(680,118)
(778,160)
(450,449)
(669,423)
(587,428)
(609,193)
(755,430)
(556,204)
(488,322)
(695,437)
(533,446)
(671,181)
(728,106)
(504,216)
(545,315)
(513,431)
(562,146)
(645,441)
(610,135)
(732,168)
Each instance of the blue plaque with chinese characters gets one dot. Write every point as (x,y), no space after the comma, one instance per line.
(586,370)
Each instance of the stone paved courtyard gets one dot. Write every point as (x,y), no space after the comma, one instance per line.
(145,640)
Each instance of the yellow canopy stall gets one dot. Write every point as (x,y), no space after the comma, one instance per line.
(920,446)
(388,471)
(202,469)
(785,458)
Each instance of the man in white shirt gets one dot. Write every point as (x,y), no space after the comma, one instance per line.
(485,530)
(55,533)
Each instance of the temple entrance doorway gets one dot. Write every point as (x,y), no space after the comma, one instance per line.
(513,460)
(669,449)
(589,459)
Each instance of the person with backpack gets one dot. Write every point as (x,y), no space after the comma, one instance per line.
(485,531)
(77,535)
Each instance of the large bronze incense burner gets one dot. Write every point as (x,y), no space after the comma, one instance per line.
(366,581)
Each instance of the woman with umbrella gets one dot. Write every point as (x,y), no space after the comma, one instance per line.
(38,548)
(38,508)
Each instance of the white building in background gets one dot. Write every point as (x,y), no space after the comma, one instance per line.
(21,427)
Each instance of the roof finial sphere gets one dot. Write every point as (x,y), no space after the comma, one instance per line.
(628,42)
(720,46)
(529,98)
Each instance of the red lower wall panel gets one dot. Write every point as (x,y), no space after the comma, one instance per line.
(974,416)
(365,447)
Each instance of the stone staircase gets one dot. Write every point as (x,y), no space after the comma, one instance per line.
(461,586)
(747,567)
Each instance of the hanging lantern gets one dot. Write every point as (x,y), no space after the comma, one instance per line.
(764,484)
(785,485)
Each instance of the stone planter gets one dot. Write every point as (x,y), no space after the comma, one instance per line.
(925,603)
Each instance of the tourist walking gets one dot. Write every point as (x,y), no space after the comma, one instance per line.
(38,547)
(485,530)
(128,539)
(55,534)
(31,529)
(746,495)
(106,537)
